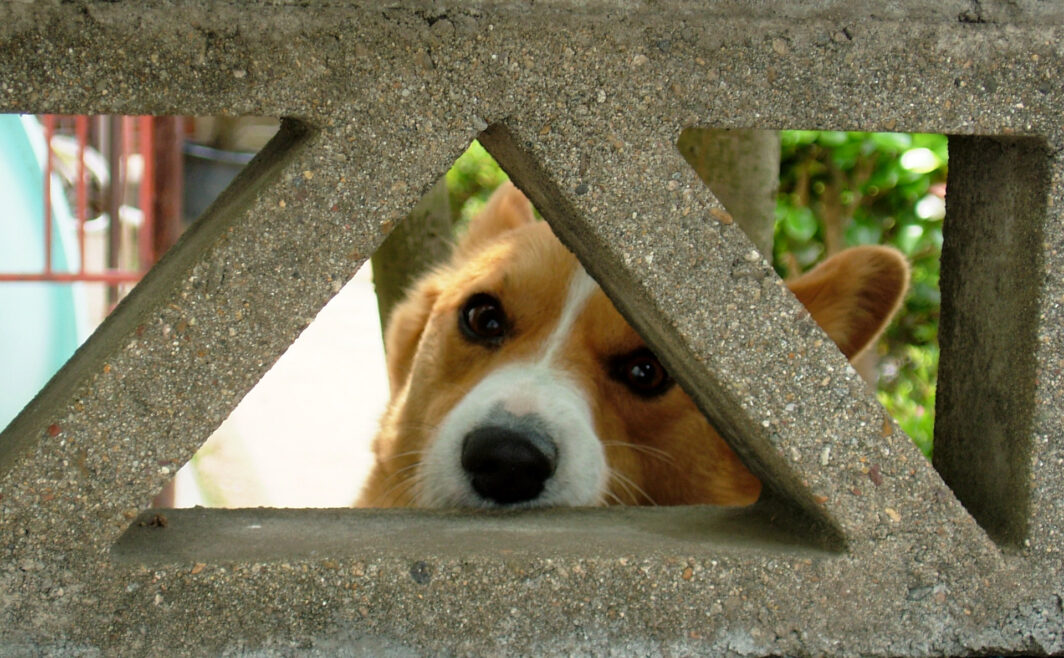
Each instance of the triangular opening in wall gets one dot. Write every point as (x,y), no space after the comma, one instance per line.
(331,386)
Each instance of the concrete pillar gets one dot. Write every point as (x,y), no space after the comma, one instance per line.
(990,282)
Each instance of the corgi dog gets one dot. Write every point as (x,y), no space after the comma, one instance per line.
(515,382)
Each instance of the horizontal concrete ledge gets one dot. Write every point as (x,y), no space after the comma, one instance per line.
(182,536)
(1014,12)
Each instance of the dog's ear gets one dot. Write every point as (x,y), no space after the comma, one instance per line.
(854,294)
(507,209)
(405,325)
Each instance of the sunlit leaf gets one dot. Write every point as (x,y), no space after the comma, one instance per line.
(931,207)
(920,160)
(800,224)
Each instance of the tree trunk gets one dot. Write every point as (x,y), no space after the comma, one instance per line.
(420,241)
(742,168)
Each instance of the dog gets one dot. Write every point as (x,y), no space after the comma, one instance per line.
(515,383)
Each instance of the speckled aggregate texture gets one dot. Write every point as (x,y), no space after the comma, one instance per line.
(859,547)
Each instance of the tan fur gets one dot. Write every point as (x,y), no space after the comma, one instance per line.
(662,450)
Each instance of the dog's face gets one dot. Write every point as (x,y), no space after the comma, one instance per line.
(516,383)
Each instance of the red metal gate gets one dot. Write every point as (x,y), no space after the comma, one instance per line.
(120,192)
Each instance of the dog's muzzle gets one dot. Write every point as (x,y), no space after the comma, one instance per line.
(509,462)
(522,437)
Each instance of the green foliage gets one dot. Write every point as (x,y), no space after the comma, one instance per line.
(839,189)
(907,389)
(471,181)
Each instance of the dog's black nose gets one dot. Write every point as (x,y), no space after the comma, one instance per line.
(508,466)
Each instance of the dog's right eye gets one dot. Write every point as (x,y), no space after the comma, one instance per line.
(642,373)
(482,319)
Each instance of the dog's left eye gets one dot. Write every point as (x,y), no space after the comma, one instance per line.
(642,373)
(482,319)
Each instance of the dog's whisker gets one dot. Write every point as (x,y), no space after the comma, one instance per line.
(630,485)
(621,484)
(396,480)
(394,492)
(409,453)
(402,471)
(399,473)
(648,450)
(417,484)
(412,485)
(427,428)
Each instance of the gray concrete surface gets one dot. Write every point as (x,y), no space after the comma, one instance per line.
(861,548)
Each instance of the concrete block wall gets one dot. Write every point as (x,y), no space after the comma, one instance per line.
(860,546)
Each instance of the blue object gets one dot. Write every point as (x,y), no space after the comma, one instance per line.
(208,171)
(39,322)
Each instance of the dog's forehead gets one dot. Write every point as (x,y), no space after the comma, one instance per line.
(538,252)
(524,264)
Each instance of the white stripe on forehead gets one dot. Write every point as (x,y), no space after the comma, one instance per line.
(580,288)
